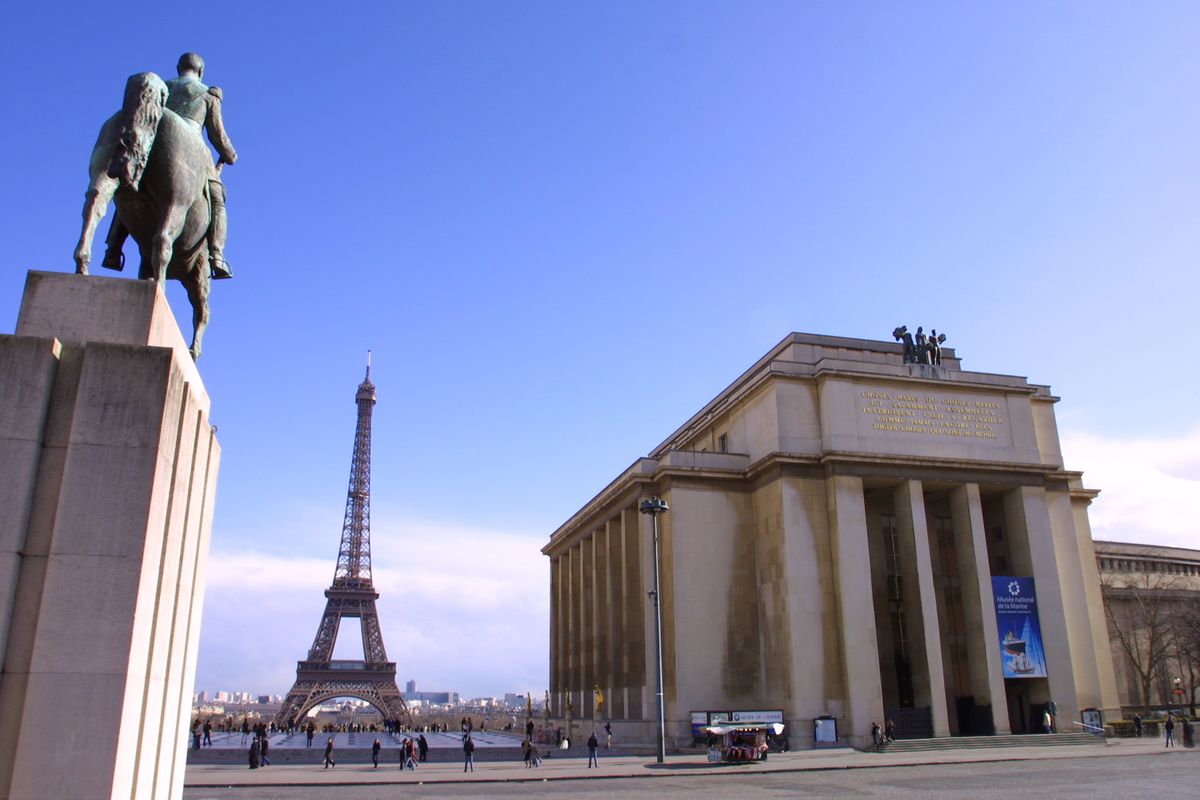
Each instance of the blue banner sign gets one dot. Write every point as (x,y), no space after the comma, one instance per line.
(1021,653)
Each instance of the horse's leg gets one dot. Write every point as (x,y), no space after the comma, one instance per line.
(163,245)
(99,193)
(197,284)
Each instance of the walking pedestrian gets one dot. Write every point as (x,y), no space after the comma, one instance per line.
(422,747)
(876,736)
(195,734)
(254,754)
(1047,722)
(264,744)
(208,733)
(329,762)
(1170,730)
(593,746)
(608,735)
(468,754)
(375,753)
(309,731)
(526,747)
(1137,725)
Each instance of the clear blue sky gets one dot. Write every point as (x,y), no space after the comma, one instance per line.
(563,227)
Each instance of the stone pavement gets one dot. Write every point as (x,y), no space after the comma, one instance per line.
(226,776)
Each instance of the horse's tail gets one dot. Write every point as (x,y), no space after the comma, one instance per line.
(145,100)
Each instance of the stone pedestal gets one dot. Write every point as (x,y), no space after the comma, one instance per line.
(109,469)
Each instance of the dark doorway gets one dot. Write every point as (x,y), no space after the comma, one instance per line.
(973,720)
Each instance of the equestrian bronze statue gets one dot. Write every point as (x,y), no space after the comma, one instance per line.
(151,161)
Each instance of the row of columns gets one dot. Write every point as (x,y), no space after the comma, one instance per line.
(598,633)
(1033,549)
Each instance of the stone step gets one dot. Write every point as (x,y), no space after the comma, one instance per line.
(1017,740)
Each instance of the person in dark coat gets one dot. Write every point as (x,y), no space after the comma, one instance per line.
(329,762)
(468,753)
(254,754)
(375,753)
(593,746)
(422,746)
(264,744)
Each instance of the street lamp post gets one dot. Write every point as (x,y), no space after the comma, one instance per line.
(655,506)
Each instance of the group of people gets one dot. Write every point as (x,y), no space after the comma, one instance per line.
(530,753)
(882,737)
(196,731)
(1168,729)
(260,745)
(412,751)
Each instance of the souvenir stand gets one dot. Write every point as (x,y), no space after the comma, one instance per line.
(740,743)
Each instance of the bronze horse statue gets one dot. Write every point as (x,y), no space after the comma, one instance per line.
(154,165)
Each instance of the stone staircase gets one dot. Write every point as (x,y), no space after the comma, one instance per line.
(991,742)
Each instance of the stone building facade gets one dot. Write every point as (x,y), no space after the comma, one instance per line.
(1152,600)
(836,520)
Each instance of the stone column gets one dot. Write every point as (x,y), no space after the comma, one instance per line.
(574,640)
(856,612)
(649,663)
(555,646)
(1028,517)
(587,624)
(633,611)
(920,604)
(614,698)
(979,609)
(1073,564)
(603,617)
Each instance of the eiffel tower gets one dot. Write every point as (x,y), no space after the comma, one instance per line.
(319,677)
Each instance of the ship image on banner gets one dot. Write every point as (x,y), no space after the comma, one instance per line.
(1021,652)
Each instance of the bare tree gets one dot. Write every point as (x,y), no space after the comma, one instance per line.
(1186,622)
(1141,608)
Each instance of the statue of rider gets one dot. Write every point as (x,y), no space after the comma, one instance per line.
(201,105)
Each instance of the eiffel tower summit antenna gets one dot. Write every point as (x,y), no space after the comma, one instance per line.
(373,679)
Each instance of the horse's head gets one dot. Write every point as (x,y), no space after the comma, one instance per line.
(898,333)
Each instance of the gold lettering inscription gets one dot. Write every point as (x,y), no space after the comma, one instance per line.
(932,416)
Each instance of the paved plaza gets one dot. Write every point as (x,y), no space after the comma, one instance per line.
(1118,769)
(360,741)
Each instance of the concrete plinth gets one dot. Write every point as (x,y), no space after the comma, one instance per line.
(109,468)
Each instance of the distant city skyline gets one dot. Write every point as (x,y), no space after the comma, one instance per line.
(536,213)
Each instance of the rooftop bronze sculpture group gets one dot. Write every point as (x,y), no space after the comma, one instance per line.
(151,161)
(926,349)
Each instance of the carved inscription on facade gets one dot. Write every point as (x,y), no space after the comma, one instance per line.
(933,415)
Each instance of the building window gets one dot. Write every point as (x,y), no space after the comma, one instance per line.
(723,443)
